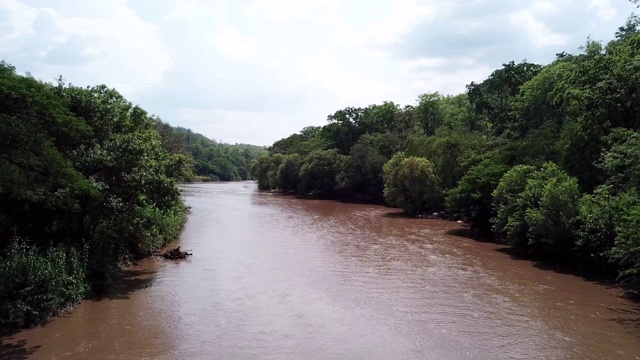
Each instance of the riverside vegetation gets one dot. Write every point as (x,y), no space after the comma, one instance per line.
(87,184)
(544,157)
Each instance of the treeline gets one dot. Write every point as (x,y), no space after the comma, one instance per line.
(211,161)
(547,158)
(87,184)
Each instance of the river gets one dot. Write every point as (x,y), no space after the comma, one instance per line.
(275,277)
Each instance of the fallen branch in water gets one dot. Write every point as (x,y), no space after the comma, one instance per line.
(175,254)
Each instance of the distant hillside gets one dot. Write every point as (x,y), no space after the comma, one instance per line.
(212,161)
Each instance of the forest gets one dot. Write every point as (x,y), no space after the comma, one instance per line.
(209,160)
(87,185)
(544,158)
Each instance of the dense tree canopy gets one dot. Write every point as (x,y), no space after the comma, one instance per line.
(543,156)
(210,160)
(87,183)
(411,183)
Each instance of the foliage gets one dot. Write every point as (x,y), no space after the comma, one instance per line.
(260,171)
(545,157)
(36,284)
(491,100)
(600,215)
(206,159)
(126,161)
(319,171)
(411,183)
(471,199)
(626,251)
(272,174)
(536,104)
(288,171)
(536,209)
(39,185)
(361,177)
(302,143)
(84,171)
(551,198)
(509,224)
(448,151)
(428,112)
(620,160)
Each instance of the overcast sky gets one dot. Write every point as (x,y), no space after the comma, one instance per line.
(257,71)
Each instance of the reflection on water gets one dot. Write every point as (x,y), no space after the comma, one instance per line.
(275,277)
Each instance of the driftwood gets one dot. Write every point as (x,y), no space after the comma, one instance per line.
(175,254)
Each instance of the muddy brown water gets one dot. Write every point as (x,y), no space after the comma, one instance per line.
(275,277)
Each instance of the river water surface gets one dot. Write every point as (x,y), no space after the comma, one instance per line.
(275,277)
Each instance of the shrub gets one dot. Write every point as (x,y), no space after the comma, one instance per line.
(36,284)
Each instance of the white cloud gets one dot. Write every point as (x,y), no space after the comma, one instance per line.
(423,62)
(183,10)
(387,26)
(449,83)
(258,70)
(537,31)
(111,45)
(283,10)
(604,8)
(20,26)
(547,7)
(400,21)
(236,45)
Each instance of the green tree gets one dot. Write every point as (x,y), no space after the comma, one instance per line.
(361,177)
(378,118)
(471,200)
(537,102)
(39,185)
(288,173)
(319,171)
(536,209)
(493,150)
(411,183)
(84,172)
(620,160)
(491,100)
(139,208)
(303,143)
(626,251)
(457,113)
(343,131)
(260,171)
(429,112)
(510,222)
(600,215)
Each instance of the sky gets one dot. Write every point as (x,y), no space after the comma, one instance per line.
(257,71)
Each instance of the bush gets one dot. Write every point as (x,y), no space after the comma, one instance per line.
(600,214)
(411,183)
(626,251)
(536,210)
(288,172)
(551,198)
(509,224)
(36,284)
(471,200)
(319,172)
